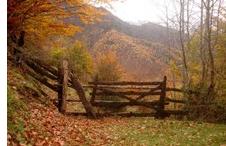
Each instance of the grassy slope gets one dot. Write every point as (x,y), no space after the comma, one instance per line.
(32,119)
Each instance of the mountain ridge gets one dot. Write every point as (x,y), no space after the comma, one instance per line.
(143,46)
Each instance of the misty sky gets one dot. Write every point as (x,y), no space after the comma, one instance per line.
(140,11)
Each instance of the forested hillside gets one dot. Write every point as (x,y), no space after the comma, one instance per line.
(148,31)
(142,49)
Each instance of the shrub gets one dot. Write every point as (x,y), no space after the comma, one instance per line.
(79,58)
(108,68)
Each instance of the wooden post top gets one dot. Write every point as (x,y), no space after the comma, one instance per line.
(165,78)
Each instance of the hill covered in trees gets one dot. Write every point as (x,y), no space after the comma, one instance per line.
(142,50)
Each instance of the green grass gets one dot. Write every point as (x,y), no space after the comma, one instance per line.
(147,131)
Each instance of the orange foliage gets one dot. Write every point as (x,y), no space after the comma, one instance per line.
(108,67)
(43,18)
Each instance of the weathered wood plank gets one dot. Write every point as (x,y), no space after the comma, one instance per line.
(79,89)
(175,100)
(108,92)
(174,89)
(94,89)
(101,103)
(119,87)
(118,93)
(151,92)
(46,66)
(42,80)
(40,70)
(62,91)
(161,107)
(126,83)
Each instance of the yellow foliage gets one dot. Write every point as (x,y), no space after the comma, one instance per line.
(79,58)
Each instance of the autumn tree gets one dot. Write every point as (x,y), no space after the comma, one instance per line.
(182,32)
(79,59)
(108,67)
(201,25)
(44,20)
(47,17)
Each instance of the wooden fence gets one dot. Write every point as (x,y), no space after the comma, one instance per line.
(60,78)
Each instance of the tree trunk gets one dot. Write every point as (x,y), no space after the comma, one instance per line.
(182,40)
(209,48)
(202,50)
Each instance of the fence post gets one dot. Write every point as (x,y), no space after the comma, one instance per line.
(81,93)
(160,112)
(63,85)
(94,89)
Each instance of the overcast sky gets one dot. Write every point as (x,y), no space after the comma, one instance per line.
(140,11)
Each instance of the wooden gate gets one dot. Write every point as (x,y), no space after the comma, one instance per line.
(131,94)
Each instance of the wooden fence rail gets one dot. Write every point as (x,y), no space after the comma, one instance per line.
(125,83)
(58,81)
